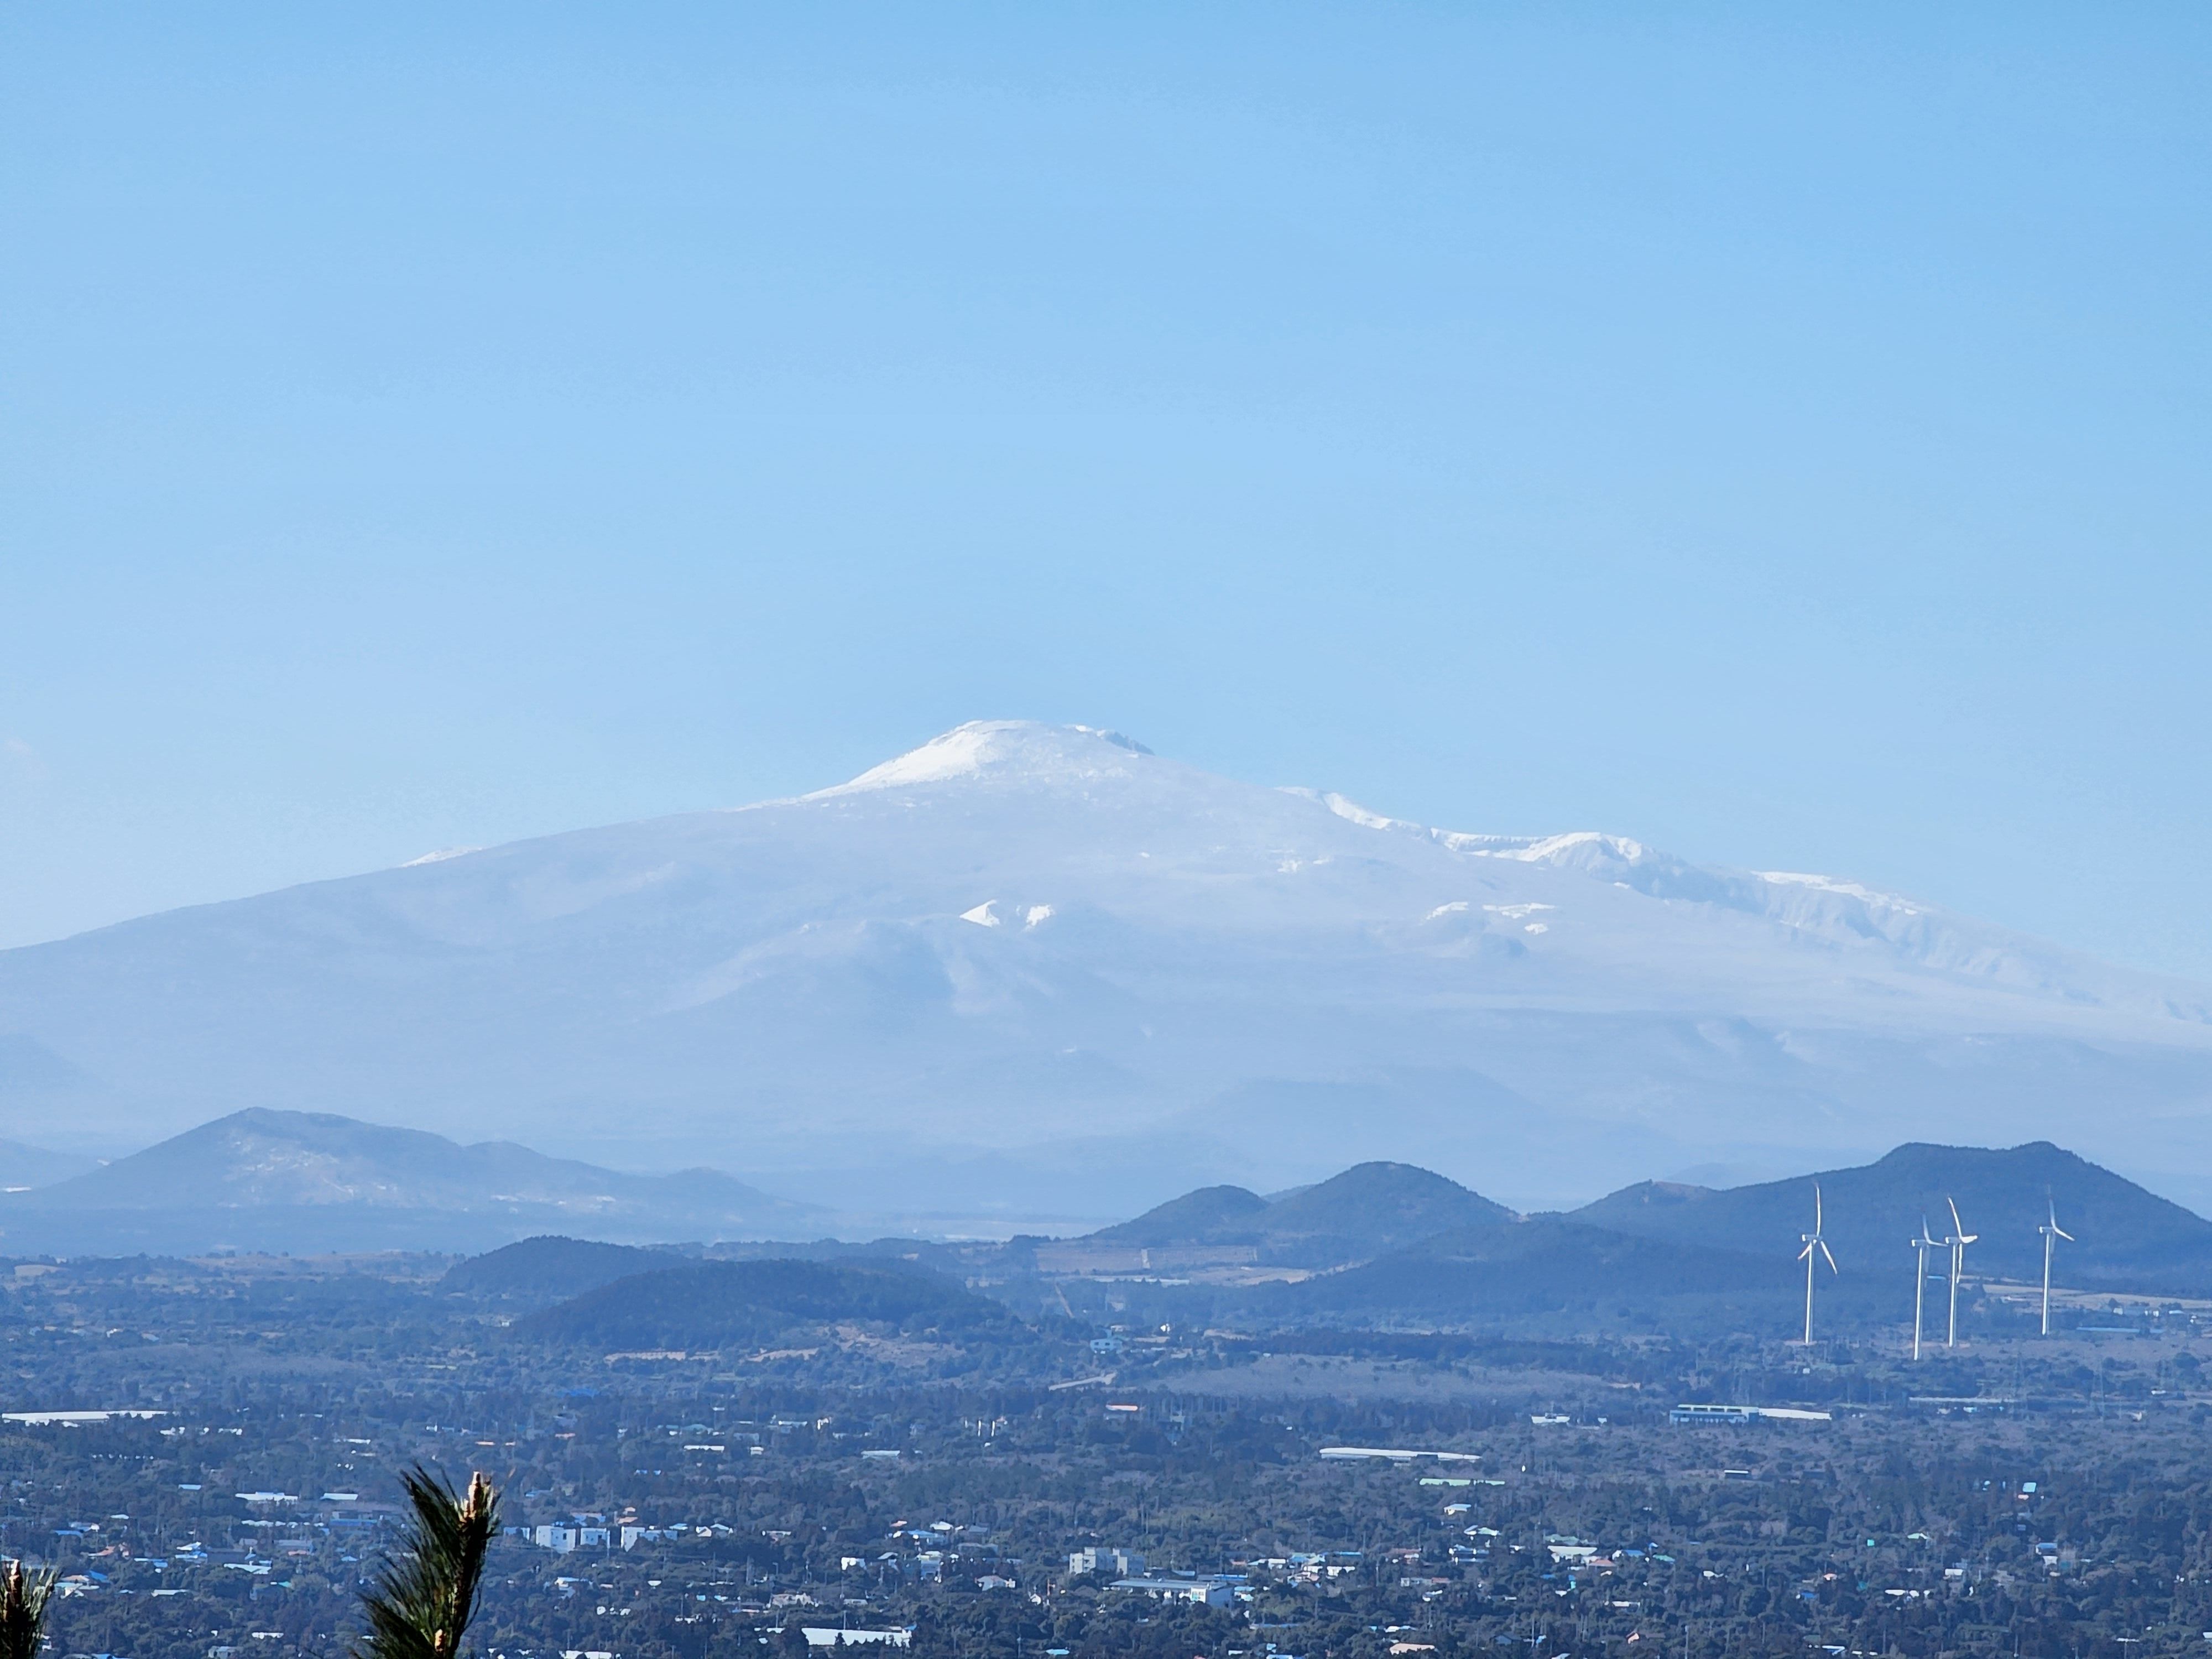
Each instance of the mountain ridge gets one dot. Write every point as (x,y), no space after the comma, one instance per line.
(260,1179)
(1376,1239)
(1369,1209)
(1012,960)
(2125,1237)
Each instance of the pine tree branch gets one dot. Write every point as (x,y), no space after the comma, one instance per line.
(24,1598)
(425,1597)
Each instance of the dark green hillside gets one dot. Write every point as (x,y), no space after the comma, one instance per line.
(2128,1237)
(1549,1266)
(1372,1208)
(711,1304)
(1211,1215)
(550,1269)
(1367,1211)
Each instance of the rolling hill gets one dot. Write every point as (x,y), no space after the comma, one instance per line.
(1577,1276)
(1368,1210)
(304,1181)
(2127,1237)
(550,1268)
(1403,1247)
(999,976)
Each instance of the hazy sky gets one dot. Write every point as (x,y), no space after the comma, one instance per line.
(1779,434)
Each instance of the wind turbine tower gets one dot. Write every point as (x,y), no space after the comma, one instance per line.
(1813,1242)
(2052,1233)
(1959,1240)
(1921,1245)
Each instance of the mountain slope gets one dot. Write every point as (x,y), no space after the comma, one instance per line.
(550,1269)
(303,1180)
(1549,1265)
(2126,1237)
(1211,1215)
(1366,1211)
(1007,972)
(1372,1208)
(22,1166)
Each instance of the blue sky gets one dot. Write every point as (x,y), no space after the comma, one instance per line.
(1779,434)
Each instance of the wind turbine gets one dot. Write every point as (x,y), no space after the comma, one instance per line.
(1922,1244)
(2052,1232)
(1959,1240)
(1813,1242)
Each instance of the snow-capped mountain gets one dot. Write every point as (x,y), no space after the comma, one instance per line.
(1041,969)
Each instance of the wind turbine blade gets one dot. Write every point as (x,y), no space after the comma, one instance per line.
(1807,1251)
(1957,1225)
(1816,1206)
(2062,1233)
(1831,1255)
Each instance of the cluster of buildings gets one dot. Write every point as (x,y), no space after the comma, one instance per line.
(932,1545)
(1126,1569)
(283,1525)
(596,1532)
(818,1636)
(1313,1566)
(1702,1414)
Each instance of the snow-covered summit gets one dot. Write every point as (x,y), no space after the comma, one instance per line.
(1003,751)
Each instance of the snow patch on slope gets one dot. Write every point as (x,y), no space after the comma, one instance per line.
(987,915)
(1588,850)
(1354,812)
(1818,906)
(1830,884)
(1574,847)
(1350,810)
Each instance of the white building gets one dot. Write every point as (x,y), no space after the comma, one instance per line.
(818,1637)
(1199,1592)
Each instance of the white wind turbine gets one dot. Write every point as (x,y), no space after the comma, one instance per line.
(1959,1240)
(2052,1232)
(1923,1245)
(1813,1242)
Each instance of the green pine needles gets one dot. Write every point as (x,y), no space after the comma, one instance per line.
(427,1594)
(23,1599)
